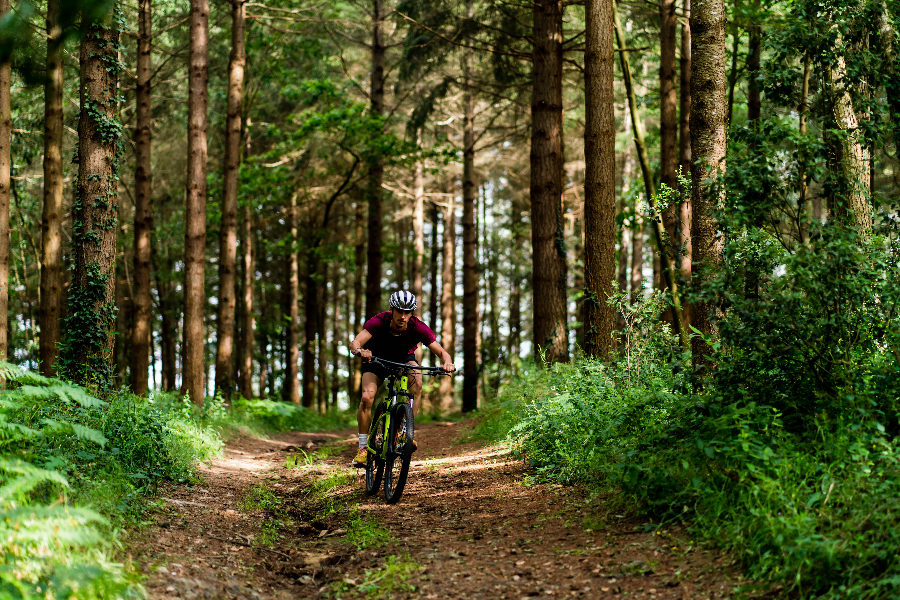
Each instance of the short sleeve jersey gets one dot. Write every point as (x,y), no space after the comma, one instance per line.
(388,345)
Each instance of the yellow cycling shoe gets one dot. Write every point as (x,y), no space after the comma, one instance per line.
(360,461)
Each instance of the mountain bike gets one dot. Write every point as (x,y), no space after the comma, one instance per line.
(391,432)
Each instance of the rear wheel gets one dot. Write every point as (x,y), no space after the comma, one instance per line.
(374,463)
(400,438)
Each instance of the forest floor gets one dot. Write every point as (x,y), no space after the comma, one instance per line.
(283,518)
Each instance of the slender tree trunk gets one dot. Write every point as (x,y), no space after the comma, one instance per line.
(228,232)
(92,296)
(51,286)
(309,330)
(433,276)
(321,315)
(707,150)
(360,318)
(143,217)
(547,237)
(637,258)
(666,267)
(418,235)
(169,328)
(470,235)
(247,325)
(732,74)
(448,302)
(335,349)
(754,53)
(684,146)
(292,355)
(803,109)
(515,292)
(5,161)
(668,124)
(195,205)
(600,179)
(376,167)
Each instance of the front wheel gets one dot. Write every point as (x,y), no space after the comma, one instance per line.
(374,461)
(400,440)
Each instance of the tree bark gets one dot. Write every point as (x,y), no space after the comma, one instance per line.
(732,75)
(228,233)
(376,166)
(851,156)
(195,205)
(515,293)
(322,359)
(684,147)
(547,237)
(143,217)
(470,235)
(51,285)
(5,162)
(434,294)
(708,152)
(247,322)
(668,120)
(448,302)
(600,179)
(92,308)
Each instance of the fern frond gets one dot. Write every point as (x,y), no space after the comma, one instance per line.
(28,477)
(80,431)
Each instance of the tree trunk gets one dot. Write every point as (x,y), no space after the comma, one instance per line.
(448,302)
(335,349)
(51,286)
(92,308)
(5,161)
(684,147)
(547,237)
(360,318)
(195,205)
(309,330)
(228,233)
(754,52)
(600,179)
(292,310)
(666,267)
(668,122)
(803,110)
(433,276)
(418,235)
(637,257)
(470,235)
(376,166)
(247,325)
(732,75)
(851,158)
(322,359)
(515,292)
(143,217)
(707,150)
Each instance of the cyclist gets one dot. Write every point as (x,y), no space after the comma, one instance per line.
(394,336)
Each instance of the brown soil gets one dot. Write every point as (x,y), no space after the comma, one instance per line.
(471,524)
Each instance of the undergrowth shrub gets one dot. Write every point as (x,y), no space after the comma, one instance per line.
(789,455)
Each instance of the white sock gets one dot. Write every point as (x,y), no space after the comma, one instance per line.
(363,439)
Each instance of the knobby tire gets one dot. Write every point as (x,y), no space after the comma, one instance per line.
(395,474)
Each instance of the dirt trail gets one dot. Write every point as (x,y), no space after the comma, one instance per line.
(470,525)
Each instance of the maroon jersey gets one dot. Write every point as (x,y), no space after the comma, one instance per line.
(389,345)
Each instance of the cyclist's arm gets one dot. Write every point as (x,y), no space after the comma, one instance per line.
(358,342)
(446,359)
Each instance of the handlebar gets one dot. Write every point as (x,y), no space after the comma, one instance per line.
(397,366)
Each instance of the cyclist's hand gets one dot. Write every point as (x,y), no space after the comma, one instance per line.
(365,354)
(448,368)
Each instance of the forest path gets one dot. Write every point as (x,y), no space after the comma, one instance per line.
(471,524)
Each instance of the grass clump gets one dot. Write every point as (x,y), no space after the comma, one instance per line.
(379,584)
(366,532)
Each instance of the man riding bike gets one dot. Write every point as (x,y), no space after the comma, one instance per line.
(394,336)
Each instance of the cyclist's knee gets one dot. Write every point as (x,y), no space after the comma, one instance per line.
(367,399)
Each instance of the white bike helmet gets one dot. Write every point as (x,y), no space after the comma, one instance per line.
(403,300)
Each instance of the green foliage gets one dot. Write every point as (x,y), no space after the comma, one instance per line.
(268,415)
(72,469)
(365,532)
(392,579)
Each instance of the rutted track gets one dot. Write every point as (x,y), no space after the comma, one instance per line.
(470,525)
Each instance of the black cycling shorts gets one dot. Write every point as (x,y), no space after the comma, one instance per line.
(381,372)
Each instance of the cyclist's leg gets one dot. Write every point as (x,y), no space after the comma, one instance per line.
(369,385)
(414,385)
